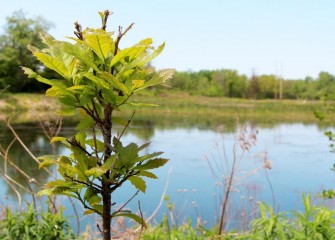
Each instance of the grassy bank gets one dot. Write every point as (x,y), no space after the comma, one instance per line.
(181,108)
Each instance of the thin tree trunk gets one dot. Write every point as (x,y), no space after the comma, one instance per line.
(106,191)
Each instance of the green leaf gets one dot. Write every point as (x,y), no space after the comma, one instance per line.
(135,217)
(149,156)
(46,191)
(82,53)
(88,212)
(89,193)
(147,174)
(151,56)
(120,55)
(52,63)
(158,78)
(115,82)
(94,200)
(57,139)
(81,88)
(109,163)
(99,40)
(96,143)
(67,111)
(99,82)
(95,171)
(138,182)
(61,183)
(151,164)
(85,123)
(128,154)
(136,84)
(48,160)
(60,83)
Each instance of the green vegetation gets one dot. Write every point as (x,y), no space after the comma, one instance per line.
(19,32)
(97,79)
(34,226)
(313,222)
(229,83)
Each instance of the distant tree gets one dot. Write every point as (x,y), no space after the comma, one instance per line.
(253,87)
(18,33)
(267,86)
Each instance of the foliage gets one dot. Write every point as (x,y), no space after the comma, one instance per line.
(31,225)
(19,32)
(230,83)
(98,78)
(313,223)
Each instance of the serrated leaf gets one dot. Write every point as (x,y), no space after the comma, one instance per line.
(138,182)
(148,58)
(144,146)
(149,156)
(59,83)
(152,164)
(128,153)
(135,217)
(158,78)
(147,174)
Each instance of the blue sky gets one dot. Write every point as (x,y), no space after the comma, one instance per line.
(291,38)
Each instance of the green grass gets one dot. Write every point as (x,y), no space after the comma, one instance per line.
(183,109)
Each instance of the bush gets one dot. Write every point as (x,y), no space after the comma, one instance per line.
(35,226)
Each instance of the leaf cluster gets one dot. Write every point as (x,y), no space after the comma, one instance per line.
(96,79)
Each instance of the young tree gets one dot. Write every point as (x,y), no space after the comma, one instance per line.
(99,78)
(19,32)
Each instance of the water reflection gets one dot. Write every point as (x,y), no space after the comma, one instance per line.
(18,158)
(299,151)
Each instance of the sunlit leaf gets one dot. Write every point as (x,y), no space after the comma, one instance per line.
(100,41)
(147,174)
(115,82)
(57,139)
(138,182)
(151,164)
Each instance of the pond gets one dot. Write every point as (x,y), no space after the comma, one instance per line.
(200,157)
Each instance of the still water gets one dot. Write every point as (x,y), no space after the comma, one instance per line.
(200,157)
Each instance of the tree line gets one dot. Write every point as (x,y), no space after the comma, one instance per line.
(229,83)
(21,31)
